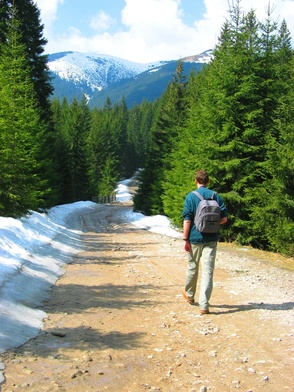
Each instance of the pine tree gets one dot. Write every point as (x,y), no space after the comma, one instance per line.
(78,126)
(30,30)
(169,119)
(21,130)
(121,114)
(4,18)
(228,122)
(238,150)
(133,140)
(138,135)
(62,125)
(239,129)
(104,149)
(273,215)
(60,149)
(187,155)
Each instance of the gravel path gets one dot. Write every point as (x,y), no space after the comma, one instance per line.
(117,320)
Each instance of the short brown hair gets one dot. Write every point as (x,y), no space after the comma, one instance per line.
(202,177)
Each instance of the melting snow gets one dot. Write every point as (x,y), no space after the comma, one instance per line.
(33,253)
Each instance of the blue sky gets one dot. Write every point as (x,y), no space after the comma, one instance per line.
(144,30)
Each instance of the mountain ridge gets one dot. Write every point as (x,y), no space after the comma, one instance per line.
(100,76)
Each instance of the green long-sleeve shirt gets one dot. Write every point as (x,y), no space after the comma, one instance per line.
(190,207)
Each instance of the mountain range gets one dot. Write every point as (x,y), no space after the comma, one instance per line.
(99,77)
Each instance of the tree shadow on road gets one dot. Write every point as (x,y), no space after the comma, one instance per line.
(56,343)
(74,298)
(225,309)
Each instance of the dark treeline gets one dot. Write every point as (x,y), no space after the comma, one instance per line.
(96,148)
(233,118)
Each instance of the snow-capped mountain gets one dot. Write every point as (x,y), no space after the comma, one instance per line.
(75,74)
(95,70)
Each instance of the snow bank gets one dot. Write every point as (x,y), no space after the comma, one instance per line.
(33,253)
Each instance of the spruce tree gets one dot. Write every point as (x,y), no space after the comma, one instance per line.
(169,119)
(62,125)
(4,18)
(94,150)
(239,129)
(188,154)
(138,135)
(22,130)
(133,140)
(104,149)
(273,213)
(30,30)
(121,114)
(77,129)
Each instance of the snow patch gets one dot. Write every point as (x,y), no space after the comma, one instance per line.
(33,253)
(96,70)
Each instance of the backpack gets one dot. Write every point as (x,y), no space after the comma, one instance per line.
(208,214)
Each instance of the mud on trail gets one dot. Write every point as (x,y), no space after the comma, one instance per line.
(117,320)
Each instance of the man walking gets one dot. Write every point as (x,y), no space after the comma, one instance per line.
(199,245)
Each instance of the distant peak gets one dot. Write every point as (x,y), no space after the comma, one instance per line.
(204,57)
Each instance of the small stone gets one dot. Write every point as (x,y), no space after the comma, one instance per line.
(58,333)
(27,371)
(203,389)
(265,378)
(121,365)
(87,358)
(251,370)
(77,374)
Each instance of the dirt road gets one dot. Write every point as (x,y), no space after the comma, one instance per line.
(117,320)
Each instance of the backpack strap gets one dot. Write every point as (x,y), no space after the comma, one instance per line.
(198,195)
(213,196)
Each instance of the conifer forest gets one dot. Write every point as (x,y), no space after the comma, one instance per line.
(233,118)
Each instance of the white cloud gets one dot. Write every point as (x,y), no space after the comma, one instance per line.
(102,21)
(209,28)
(154,29)
(48,11)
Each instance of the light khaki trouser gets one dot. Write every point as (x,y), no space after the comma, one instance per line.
(204,253)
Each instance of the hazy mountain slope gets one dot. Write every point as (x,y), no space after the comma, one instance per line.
(101,76)
(148,85)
